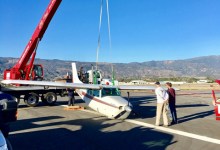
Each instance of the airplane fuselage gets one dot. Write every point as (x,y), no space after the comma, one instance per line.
(111,105)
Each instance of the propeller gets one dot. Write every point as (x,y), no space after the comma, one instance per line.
(128,97)
(134,112)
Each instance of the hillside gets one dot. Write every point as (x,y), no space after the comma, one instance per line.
(207,66)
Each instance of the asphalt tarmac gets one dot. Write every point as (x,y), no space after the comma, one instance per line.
(53,128)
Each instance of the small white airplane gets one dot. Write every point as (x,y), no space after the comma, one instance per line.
(105,99)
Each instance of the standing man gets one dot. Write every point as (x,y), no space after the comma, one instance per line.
(162,98)
(71,98)
(172,102)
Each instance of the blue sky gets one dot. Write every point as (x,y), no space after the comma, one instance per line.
(141,30)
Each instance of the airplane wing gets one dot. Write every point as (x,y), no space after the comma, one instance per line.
(78,85)
(53,84)
(128,87)
(132,87)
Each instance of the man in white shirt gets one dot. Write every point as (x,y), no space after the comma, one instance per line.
(162,99)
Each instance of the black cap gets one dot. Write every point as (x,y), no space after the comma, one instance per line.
(157,83)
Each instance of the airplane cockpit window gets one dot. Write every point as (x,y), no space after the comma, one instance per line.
(93,92)
(96,74)
(110,92)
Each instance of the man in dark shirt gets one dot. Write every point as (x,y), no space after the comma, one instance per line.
(71,98)
(172,102)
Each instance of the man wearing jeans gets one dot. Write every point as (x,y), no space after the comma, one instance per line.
(172,102)
(162,98)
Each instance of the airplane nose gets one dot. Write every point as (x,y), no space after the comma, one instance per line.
(128,108)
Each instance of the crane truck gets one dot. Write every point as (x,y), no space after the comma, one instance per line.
(25,69)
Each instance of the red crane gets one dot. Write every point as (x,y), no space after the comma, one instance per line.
(25,69)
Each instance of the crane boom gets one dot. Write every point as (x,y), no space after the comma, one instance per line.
(21,70)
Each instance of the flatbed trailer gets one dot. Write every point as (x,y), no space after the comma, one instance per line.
(33,94)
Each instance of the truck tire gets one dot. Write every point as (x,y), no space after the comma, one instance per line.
(49,98)
(31,99)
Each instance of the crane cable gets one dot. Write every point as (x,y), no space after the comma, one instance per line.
(109,38)
(99,35)
(110,43)
(109,31)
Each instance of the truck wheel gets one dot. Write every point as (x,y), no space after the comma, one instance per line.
(50,98)
(32,99)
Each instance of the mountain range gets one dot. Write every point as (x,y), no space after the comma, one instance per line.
(206,66)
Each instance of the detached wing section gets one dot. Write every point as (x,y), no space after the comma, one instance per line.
(54,84)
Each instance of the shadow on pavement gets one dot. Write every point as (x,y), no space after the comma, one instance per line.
(195,116)
(141,111)
(85,134)
(191,105)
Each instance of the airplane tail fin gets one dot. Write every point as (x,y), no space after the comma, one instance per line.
(74,74)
